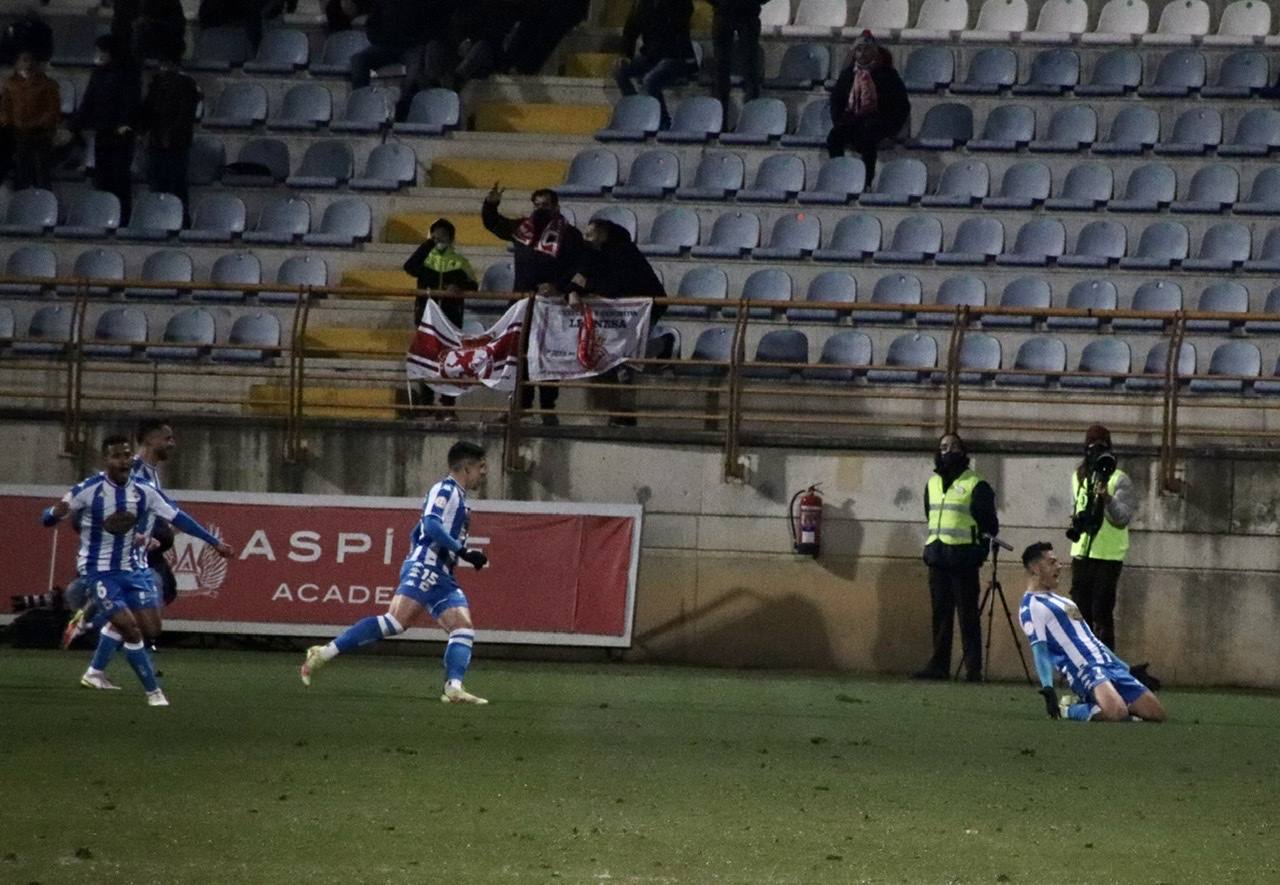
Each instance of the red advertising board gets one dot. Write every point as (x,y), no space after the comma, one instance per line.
(309,565)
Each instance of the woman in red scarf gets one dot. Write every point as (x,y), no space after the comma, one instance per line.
(868,103)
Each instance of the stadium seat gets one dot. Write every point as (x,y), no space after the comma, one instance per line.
(99,264)
(1161,245)
(1267,327)
(48,333)
(794,236)
(619,215)
(1070,129)
(772,288)
(431,112)
(219,49)
(344,223)
(817,18)
(803,66)
(498,277)
(1149,189)
(591,173)
(697,119)
(119,333)
(1087,295)
(1038,242)
(901,181)
(217,218)
(1099,244)
(33,262)
(1269,386)
(911,358)
(1268,257)
(774,14)
(1155,296)
(653,174)
(262,162)
(1182,22)
(305,108)
(165,266)
(828,287)
(962,184)
(674,232)
(205,162)
(1227,296)
(895,289)
(1153,369)
(999,21)
(779,178)
(282,221)
(915,239)
(844,356)
(977,240)
(963,290)
(854,238)
(761,121)
(701,281)
(238,106)
(1039,362)
(1086,187)
(1023,293)
(1241,74)
(232,268)
(1108,360)
(29,213)
(945,127)
(282,51)
(1133,130)
(1007,128)
(326,164)
(297,270)
(978,360)
(1224,247)
(390,166)
(368,109)
(813,126)
(712,352)
(188,335)
(719,175)
(635,118)
(1194,132)
(938,20)
(1119,22)
(1023,186)
(840,181)
(1053,72)
(1059,21)
(1233,367)
(1257,134)
(992,70)
(733,235)
(91,215)
(883,18)
(6,326)
(779,346)
(155,216)
(1242,23)
(663,344)
(930,68)
(335,57)
(1179,73)
(254,337)
(1116,72)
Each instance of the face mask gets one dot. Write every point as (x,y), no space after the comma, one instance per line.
(542,216)
(443,245)
(952,462)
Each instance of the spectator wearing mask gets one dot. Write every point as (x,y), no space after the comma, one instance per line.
(168,118)
(736,21)
(869,103)
(666,51)
(30,109)
(548,250)
(438,267)
(109,108)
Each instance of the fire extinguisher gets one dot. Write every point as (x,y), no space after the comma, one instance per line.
(806,523)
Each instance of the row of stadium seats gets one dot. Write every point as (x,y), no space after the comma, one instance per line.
(308,107)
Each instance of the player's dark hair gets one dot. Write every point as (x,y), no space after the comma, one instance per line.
(461,452)
(545,192)
(148,426)
(1035,553)
(113,439)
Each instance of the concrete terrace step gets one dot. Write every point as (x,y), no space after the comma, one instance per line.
(325,402)
(357,342)
(559,119)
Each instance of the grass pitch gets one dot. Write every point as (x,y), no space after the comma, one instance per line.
(595,773)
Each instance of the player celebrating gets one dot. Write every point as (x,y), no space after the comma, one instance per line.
(1060,639)
(110,511)
(427,584)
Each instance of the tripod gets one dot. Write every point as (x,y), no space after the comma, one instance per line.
(988,604)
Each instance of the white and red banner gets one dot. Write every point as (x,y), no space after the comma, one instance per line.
(441,353)
(566,343)
(310,565)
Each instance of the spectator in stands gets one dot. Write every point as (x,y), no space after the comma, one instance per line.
(28,33)
(666,51)
(480,31)
(404,32)
(548,250)
(438,267)
(168,118)
(869,103)
(612,266)
(159,31)
(339,15)
(109,109)
(30,109)
(540,26)
(736,21)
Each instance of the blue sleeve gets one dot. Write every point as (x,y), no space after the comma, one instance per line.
(1044,664)
(439,534)
(184,523)
(48,519)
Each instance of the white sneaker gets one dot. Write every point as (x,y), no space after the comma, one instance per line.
(157,699)
(315,660)
(97,679)
(459,695)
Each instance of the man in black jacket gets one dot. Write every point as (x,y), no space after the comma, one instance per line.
(869,103)
(666,52)
(408,32)
(110,108)
(738,19)
(168,117)
(548,250)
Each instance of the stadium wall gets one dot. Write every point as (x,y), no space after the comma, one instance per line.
(718,585)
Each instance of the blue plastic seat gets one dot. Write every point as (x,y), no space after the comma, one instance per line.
(30,213)
(719,174)
(188,335)
(854,238)
(916,238)
(902,181)
(1161,245)
(1242,73)
(1264,194)
(262,162)
(1086,187)
(1071,129)
(368,109)
(99,264)
(1025,293)
(233,268)
(911,358)
(929,69)
(993,69)
(779,178)
(498,277)
(1268,258)
(1038,362)
(295,271)
(704,282)
(255,337)
(1213,188)
(165,266)
(431,112)
(1156,364)
(978,360)
(761,121)
(634,118)
(1038,242)
(794,236)
(1179,73)
(895,289)
(1023,186)
(1148,189)
(1007,128)
(619,215)
(91,215)
(344,223)
(664,344)
(945,127)
(780,346)
(48,333)
(1224,247)
(119,333)
(1257,135)
(1267,327)
(732,236)
(220,49)
(305,108)
(962,290)
(390,166)
(803,66)
(770,286)
(1099,244)
(1227,296)
(674,232)
(217,218)
(653,175)
(1239,361)
(812,127)
(1160,296)
(977,240)
(1053,72)
(845,355)
(697,119)
(829,287)
(155,216)
(282,221)
(1133,130)
(326,164)
(591,173)
(1108,360)
(282,51)
(840,180)
(1194,132)
(962,184)
(32,262)
(238,106)
(1114,73)
(1269,386)
(206,160)
(1087,295)
(711,354)
(335,57)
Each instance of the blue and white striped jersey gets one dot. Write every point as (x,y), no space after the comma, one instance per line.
(141,471)
(447,503)
(1056,621)
(96,499)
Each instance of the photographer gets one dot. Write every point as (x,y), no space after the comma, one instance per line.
(960,507)
(1103,506)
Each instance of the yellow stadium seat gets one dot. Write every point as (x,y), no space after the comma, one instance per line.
(479,173)
(546,119)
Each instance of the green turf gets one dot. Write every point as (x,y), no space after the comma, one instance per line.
(591,773)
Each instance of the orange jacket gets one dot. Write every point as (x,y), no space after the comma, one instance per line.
(30,104)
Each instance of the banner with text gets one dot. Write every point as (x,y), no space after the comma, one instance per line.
(566,343)
(441,353)
(309,565)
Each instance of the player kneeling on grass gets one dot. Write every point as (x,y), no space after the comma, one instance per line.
(1061,640)
(111,511)
(438,541)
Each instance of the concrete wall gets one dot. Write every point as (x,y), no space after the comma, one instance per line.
(718,585)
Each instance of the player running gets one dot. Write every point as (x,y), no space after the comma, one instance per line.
(427,584)
(1060,639)
(110,510)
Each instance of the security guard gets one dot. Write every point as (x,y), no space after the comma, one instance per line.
(1096,559)
(960,507)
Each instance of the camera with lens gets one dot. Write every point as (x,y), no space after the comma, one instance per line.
(1099,464)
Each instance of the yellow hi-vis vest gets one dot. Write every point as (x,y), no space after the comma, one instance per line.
(1111,542)
(949,518)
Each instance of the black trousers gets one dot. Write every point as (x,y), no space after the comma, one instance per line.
(32,159)
(864,135)
(112,168)
(1093,589)
(747,31)
(167,173)
(547,396)
(954,591)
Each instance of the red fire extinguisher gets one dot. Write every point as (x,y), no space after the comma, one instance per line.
(806,523)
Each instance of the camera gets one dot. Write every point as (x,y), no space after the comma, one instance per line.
(1099,464)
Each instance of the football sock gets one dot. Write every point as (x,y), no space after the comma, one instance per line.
(360,633)
(136,654)
(457,654)
(1082,712)
(109,642)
